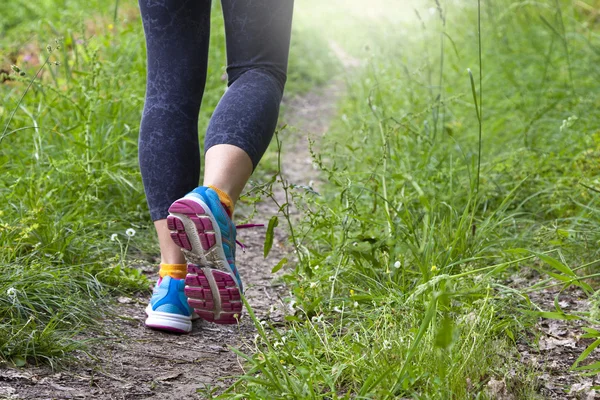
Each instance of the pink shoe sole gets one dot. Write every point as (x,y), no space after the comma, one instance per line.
(211,291)
(213,295)
(203,224)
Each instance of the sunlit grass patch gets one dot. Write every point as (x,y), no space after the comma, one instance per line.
(436,183)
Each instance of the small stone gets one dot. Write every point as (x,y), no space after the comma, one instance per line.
(124,300)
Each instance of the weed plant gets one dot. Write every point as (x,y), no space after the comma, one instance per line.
(437,178)
(73,218)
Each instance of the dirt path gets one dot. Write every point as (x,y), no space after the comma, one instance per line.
(139,363)
(557,346)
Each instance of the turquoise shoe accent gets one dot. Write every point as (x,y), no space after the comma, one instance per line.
(168,309)
(226,226)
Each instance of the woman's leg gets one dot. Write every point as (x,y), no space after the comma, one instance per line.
(177,36)
(258,39)
(242,126)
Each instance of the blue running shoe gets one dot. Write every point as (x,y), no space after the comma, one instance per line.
(200,225)
(168,309)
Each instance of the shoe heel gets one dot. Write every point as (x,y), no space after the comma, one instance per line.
(213,295)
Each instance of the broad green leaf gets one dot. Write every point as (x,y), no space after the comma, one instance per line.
(586,353)
(564,269)
(556,305)
(567,279)
(517,250)
(19,362)
(591,333)
(279,265)
(595,366)
(444,334)
(273,222)
(553,262)
(552,315)
(556,276)
(510,334)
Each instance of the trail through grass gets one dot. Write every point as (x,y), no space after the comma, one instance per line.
(438,188)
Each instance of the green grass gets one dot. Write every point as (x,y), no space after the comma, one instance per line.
(70,184)
(400,289)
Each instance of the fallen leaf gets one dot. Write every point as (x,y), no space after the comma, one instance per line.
(169,377)
(557,328)
(497,390)
(579,387)
(563,304)
(549,343)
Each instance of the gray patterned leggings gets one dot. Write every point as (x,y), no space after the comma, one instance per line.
(177,36)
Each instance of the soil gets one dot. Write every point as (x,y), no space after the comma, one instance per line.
(134,362)
(557,345)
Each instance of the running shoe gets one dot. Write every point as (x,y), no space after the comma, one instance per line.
(168,309)
(200,225)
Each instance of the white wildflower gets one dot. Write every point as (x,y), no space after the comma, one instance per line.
(130,232)
(387,345)
(292,306)
(337,309)
(314,285)
(113,237)
(397,264)
(355,304)
(11,292)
